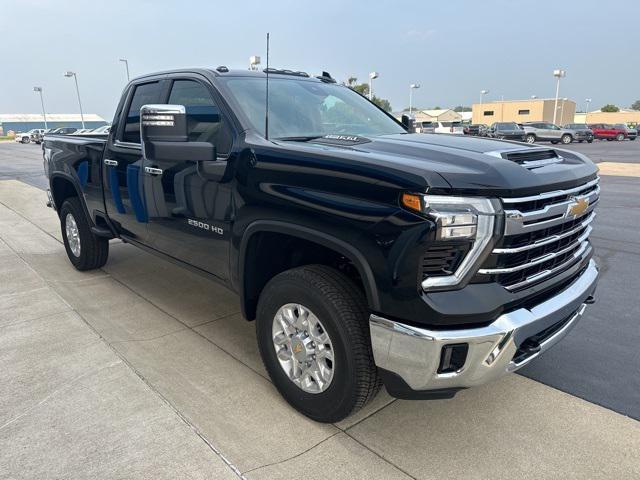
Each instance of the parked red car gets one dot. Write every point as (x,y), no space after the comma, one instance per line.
(604,131)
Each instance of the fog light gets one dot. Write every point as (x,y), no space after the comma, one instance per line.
(453,357)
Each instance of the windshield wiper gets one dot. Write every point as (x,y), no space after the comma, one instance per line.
(301,138)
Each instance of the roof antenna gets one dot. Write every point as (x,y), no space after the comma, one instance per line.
(266,111)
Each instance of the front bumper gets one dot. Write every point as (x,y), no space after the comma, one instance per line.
(410,357)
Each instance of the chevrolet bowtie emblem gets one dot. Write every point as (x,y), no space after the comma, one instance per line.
(578,207)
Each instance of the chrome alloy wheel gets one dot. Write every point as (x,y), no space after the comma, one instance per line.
(73,235)
(303,348)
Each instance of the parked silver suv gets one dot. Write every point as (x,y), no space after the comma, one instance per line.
(547,132)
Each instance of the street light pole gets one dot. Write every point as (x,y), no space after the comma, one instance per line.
(126,64)
(482,93)
(372,76)
(44,113)
(412,87)
(562,110)
(558,73)
(75,77)
(587,102)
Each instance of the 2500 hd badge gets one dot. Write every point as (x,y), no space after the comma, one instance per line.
(205,226)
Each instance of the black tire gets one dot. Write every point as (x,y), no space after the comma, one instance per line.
(530,138)
(590,140)
(566,139)
(632,138)
(341,308)
(25,140)
(620,137)
(94,250)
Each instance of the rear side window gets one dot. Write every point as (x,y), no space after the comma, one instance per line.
(205,122)
(147,93)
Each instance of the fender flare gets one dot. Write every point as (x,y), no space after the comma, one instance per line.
(312,235)
(74,183)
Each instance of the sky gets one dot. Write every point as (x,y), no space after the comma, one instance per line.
(453,49)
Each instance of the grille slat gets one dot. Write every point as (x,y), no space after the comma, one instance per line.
(542,238)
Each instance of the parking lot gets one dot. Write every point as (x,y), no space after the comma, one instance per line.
(144,369)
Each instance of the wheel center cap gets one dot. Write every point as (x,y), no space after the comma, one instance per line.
(299,348)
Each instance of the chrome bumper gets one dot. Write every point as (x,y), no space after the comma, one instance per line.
(50,202)
(414,353)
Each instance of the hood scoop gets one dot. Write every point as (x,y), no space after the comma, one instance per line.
(530,158)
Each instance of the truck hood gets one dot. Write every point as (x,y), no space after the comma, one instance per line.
(463,164)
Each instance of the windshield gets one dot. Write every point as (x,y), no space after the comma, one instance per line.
(302,108)
(507,126)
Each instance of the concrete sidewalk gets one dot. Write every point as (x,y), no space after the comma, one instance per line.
(144,370)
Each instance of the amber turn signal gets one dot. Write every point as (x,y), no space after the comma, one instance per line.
(412,201)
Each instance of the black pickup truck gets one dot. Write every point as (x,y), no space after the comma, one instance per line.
(366,254)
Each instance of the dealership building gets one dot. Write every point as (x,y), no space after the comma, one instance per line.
(625,115)
(532,110)
(22,122)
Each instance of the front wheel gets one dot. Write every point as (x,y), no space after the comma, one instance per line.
(530,138)
(313,334)
(566,139)
(85,250)
(620,137)
(632,138)
(25,140)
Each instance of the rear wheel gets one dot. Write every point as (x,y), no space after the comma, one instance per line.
(530,138)
(313,335)
(566,139)
(85,250)
(26,139)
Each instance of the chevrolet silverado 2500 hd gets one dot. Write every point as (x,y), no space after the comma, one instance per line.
(367,255)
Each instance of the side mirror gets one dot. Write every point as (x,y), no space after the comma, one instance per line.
(408,122)
(164,135)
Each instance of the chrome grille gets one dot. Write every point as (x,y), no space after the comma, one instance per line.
(543,237)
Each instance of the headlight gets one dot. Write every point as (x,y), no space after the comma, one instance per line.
(458,219)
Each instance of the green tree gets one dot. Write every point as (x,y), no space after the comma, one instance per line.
(636,105)
(363,89)
(609,108)
(461,108)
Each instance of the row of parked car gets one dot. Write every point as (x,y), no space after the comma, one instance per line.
(36,135)
(532,132)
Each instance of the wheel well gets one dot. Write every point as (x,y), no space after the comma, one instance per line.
(269,253)
(61,189)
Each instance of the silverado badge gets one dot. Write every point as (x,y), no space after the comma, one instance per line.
(578,207)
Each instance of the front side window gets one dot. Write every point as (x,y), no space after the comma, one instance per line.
(144,94)
(204,121)
(304,108)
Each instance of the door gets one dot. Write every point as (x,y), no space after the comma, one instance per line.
(188,204)
(122,166)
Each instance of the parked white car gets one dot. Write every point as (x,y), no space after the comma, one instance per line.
(31,135)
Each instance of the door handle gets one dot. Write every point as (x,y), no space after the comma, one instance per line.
(153,171)
(111,163)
